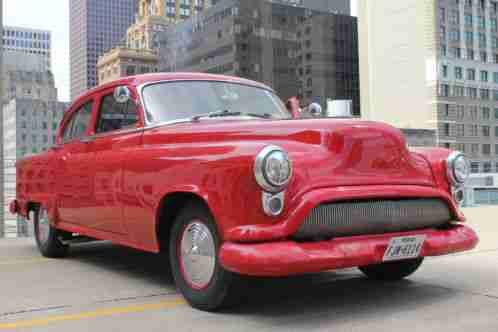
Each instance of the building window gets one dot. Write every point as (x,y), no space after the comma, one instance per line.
(485,113)
(446,129)
(470,54)
(458,91)
(473,130)
(485,131)
(460,110)
(130,70)
(458,73)
(473,112)
(486,149)
(471,74)
(456,52)
(455,35)
(474,148)
(472,93)
(469,20)
(442,14)
(481,22)
(487,166)
(484,57)
(482,40)
(460,130)
(445,71)
(496,131)
(446,109)
(484,93)
(474,167)
(469,37)
(484,76)
(443,50)
(455,17)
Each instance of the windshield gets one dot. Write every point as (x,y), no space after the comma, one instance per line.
(170,101)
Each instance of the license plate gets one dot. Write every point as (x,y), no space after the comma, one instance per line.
(405,247)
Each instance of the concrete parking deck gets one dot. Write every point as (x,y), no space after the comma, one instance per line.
(101,287)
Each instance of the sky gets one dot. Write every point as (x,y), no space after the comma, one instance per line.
(53,15)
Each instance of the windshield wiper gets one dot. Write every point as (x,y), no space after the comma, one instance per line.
(262,116)
(215,114)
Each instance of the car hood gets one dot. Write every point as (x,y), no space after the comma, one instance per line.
(324,152)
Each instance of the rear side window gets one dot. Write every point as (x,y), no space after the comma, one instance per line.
(115,116)
(78,124)
(82,121)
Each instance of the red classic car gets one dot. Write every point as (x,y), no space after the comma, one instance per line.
(215,171)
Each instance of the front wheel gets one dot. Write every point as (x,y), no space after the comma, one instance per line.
(392,271)
(194,245)
(47,237)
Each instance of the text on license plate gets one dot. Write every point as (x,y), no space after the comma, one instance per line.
(405,247)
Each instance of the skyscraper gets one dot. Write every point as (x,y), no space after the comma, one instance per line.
(95,26)
(30,42)
(433,65)
(295,50)
(139,53)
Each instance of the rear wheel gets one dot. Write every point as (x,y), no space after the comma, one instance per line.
(194,247)
(47,237)
(392,271)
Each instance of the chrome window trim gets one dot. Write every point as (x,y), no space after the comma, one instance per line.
(141,87)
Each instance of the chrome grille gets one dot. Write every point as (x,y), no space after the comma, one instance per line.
(372,217)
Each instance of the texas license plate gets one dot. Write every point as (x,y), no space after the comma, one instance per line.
(405,247)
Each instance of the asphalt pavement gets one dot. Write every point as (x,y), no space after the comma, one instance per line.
(102,287)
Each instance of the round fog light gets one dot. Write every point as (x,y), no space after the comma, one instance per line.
(273,205)
(459,195)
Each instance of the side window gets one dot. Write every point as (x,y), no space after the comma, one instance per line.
(76,127)
(66,137)
(115,116)
(82,121)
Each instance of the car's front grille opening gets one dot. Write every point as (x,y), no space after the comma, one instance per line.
(379,216)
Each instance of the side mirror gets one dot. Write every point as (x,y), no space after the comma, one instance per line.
(122,94)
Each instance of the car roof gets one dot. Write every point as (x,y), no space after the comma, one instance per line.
(139,80)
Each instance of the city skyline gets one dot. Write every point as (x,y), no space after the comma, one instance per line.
(33,17)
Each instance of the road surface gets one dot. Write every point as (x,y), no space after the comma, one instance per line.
(101,287)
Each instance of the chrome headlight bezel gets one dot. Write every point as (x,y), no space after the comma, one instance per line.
(260,170)
(451,171)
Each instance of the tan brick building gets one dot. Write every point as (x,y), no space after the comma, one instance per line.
(433,64)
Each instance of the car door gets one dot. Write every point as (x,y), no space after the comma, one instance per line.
(75,161)
(117,134)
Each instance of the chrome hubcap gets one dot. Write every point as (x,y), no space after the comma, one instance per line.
(197,254)
(43,226)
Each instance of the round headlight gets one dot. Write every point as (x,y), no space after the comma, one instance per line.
(272,169)
(458,168)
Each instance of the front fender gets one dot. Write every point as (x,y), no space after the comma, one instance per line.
(437,159)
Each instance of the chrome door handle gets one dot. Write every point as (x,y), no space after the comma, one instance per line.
(87,139)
